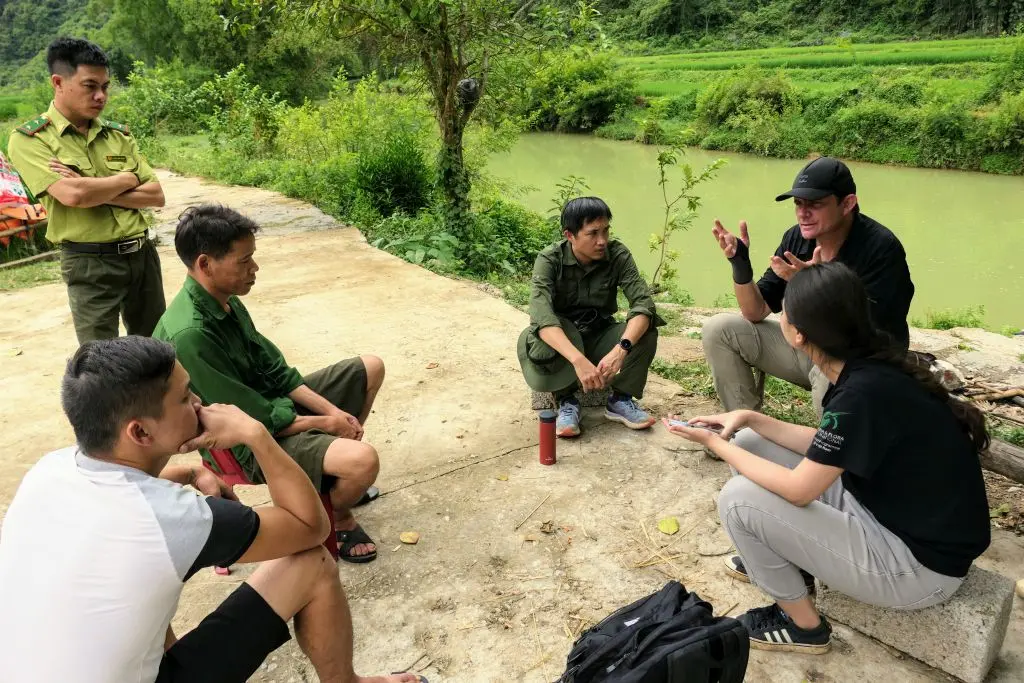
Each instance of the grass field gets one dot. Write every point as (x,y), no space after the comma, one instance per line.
(959,64)
(938,104)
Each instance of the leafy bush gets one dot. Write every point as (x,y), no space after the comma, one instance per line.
(164,98)
(866,128)
(906,91)
(748,92)
(948,136)
(245,118)
(393,175)
(505,238)
(1009,78)
(577,93)
(1006,126)
(8,110)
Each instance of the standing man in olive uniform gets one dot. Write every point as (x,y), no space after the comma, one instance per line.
(573,339)
(89,175)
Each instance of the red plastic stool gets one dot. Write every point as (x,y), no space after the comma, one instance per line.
(233,474)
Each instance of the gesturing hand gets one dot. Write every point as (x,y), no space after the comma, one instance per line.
(791,265)
(222,426)
(727,240)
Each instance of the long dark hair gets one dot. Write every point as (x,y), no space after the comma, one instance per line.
(828,304)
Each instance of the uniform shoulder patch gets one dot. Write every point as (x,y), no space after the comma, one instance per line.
(32,127)
(113,125)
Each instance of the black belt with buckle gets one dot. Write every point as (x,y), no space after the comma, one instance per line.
(119,248)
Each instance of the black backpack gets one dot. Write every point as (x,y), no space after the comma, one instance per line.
(671,636)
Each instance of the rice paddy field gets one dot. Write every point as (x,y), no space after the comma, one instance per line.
(958,67)
(938,104)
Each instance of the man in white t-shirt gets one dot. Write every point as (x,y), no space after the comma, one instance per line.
(100,538)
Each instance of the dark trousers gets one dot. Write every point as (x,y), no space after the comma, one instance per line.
(102,287)
(595,345)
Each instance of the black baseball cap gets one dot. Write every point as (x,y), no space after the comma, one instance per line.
(819,179)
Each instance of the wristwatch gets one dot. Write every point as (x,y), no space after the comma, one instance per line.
(626,345)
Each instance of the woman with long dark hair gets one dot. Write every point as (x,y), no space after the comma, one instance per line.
(884,502)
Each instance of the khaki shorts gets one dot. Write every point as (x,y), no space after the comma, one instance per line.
(344,385)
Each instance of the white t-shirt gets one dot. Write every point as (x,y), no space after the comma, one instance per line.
(93,557)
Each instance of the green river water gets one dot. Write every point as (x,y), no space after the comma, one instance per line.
(963,232)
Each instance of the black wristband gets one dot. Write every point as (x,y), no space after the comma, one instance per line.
(742,271)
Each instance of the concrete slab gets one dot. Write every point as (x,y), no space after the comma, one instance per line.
(540,400)
(962,636)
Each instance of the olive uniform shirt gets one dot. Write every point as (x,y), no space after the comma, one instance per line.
(107,150)
(561,286)
(228,361)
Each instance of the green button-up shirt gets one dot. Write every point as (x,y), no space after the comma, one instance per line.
(106,150)
(228,360)
(561,286)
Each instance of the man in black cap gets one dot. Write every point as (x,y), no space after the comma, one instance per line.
(830,227)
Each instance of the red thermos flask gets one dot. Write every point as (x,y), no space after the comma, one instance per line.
(547,437)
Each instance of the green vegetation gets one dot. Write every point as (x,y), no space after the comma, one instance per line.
(1000,430)
(782,400)
(29,275)
(949,104)
(972,316)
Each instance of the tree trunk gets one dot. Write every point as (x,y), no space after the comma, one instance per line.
(453,181)
(1005,459)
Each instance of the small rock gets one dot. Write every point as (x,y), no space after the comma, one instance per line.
(409,537)
(1020,588)
(947,375)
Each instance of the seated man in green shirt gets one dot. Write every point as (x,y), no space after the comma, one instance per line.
(573,339)
(318,419)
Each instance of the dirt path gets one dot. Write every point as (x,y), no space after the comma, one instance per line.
(477,600)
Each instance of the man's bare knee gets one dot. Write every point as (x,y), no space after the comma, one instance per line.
(374,371)
(351,460)
(288,583)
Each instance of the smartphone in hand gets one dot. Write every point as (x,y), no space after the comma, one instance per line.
(717,429)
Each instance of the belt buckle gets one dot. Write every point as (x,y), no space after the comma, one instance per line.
(129,247)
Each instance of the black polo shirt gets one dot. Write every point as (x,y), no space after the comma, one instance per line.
(906,458)
(876,255)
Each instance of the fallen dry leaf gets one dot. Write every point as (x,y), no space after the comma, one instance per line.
(502,477)
(547,527)
(431,366)
(668,526)
(409,537)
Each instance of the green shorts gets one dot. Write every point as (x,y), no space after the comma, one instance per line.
(344,385)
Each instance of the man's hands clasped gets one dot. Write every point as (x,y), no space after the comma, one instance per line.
(593,377)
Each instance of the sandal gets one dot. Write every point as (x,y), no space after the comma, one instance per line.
(372,494)
(420,679)
(350,539)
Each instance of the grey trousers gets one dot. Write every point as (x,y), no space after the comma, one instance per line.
(835,538)
(734,347)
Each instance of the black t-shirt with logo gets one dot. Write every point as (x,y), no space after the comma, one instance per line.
(906,458)
(876,255)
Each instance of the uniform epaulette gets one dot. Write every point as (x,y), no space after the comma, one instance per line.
(32,127)
(113,125)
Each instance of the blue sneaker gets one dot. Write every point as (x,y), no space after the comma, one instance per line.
(625,410)
(568,423)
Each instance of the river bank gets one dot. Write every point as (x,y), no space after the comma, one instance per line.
(963,232)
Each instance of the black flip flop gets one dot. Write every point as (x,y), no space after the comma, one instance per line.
(372,494)
(348,540)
